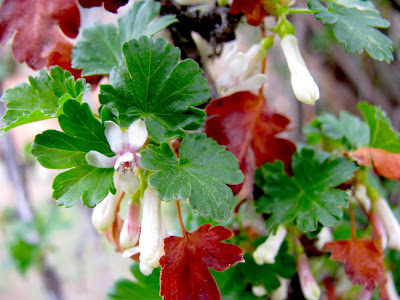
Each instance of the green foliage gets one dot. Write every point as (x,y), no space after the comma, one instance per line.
(101,48)
(42,98)
(62,150)
(348,130)
(356,28)
(234,281)
(147,287)
(309,196)
(382,135)
(150,83)
(200,174)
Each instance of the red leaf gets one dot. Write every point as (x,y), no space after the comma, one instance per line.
(363,261)
(244,124)
(110,5)
(185,273)
(385,163)
(254,10)
(38,26)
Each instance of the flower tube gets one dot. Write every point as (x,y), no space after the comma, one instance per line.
(130,231)
(266,252)
(303,84)
(391,224)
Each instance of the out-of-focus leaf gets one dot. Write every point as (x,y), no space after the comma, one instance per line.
(254,10)
(185,266)
(101,47)
(110,5)
(147,287)
(38,30)
(309,196)
(244,124)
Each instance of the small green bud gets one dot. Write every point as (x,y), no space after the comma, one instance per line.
(284,27)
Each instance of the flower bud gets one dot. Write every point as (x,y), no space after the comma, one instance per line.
(129,183)
(259,290)
(151,242)
(130,231)
(309,286)
(283,291)
(266,252)
(304,87)
(391,224)
(324,236)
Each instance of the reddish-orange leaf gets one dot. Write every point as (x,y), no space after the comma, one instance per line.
(254,10)
(185,274)
(38,27)
(110,5)
(385,163)
(363,261)
(245,125)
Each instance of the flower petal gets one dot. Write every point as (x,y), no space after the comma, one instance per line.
(114,136)
(129,183)
(137,135)
(98,160)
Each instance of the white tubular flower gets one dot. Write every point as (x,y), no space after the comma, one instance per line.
(391,224)
(266,252)
(103,214)
(309,286)
(239,67)
(391,287)
(130,231)
(259,290)
(324,236)
(124,144)
(282,292)
(360,194)
(151,242)
(303,84)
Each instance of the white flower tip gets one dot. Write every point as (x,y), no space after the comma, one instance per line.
(114,136)
(131,251)
(259,290)
(389,221)
(98,160)
(312,292)
(264,256)
(103,214)
(137,135)
(145,269)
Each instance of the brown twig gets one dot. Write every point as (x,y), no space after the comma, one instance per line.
(178,208)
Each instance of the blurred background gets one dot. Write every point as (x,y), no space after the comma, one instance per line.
(51,252)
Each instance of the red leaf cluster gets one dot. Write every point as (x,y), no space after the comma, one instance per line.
(38,27)
(110,5)
(245,125)
(185,274)
(363,262)
(385,163)
(254,10)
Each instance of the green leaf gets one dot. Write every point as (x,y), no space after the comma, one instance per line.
(309,196)
(63,150)
(358,4)
(347,126)
(382,135)
(42,98)
(200,174)
(147,287)
(101,47)
(150,83)
(356,29)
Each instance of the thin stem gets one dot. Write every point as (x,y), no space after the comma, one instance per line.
(300,11)
(119,201)
(353,222)
(178,208)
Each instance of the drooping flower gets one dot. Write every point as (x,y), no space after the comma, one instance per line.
(282,292)
(130,231)
(124,144)
(103,214)
(240,69)
(266,252)
(303,84)
(151,241)
(390,222)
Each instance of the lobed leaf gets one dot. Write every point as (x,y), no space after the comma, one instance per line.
(309,197)
(37,29)
(110,5)
(101,47)
(42,98)
(185,273)
(150,83)
(356,29)
(200,174)
(62,150)
(382,135)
